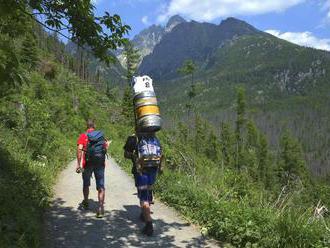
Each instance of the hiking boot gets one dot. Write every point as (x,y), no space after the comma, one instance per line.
(100,213)
(85,204)
(148,229)
(142,217)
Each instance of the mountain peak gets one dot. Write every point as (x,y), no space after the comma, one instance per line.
(238,25)
(231,20)
(173,21)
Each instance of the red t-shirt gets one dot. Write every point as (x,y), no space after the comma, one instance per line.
(83,140)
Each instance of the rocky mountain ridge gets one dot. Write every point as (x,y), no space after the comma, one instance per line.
(148,38)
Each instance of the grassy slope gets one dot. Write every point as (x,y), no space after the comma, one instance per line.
(40,125)
(231,206)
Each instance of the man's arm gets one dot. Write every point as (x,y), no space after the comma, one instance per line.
(80,154)
(129,148)
(107,144)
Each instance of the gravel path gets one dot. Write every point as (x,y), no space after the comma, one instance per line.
(66,225)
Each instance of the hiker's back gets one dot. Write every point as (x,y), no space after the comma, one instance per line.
(149,151)
(96,148)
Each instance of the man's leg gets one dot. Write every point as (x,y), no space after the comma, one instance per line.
(144,197)
(146,211)
(101,196)
(99,177)
(86,176)
(86,193)
(148,228)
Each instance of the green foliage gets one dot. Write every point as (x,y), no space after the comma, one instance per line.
(127,107)
(100,33)
(39,127)
(227,144)
(188,68)
(286,86)
(183,131)
(200,134)
(230,205)
(263,162)
(30,51)
(247,207)
(132,57)
(292,161)
(41,120)
(11,72)
(212,150)
(240,125)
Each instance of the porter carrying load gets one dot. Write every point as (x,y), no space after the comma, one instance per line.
(146,108)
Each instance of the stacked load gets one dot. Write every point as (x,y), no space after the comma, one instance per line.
(146,108)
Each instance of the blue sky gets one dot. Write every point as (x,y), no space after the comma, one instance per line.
(305,22)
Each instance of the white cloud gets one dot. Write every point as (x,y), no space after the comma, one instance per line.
(208,10)
(96,2)
(326,7)
(145,20)
(303,39)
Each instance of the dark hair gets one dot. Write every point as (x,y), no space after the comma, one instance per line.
(146,134)
(90,123)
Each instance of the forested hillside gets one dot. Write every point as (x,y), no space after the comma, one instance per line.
(46,96)
(287,85)
(233,183)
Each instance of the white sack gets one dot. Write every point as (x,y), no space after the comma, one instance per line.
(141,84)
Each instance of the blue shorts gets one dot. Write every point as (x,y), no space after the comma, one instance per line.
(98,174)
(144,182)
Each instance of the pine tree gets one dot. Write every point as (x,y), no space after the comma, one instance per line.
(251,149)
(200,134)
(189,68)
(240,124)
(132,57)
(212,149)
(292,158)
(30,51)
(252,135)
(127,106)
(183,132)
(263,160)
(227,144)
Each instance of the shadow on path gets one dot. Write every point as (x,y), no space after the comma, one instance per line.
(69,227)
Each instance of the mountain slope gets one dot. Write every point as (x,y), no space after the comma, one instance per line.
(191,40)
(110,74)
(148,38)
(287,85)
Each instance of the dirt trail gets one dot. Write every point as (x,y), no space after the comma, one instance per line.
(68,226)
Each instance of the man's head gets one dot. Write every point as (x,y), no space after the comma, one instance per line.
(90,123)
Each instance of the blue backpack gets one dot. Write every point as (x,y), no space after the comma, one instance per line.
(96,149)
(149,150)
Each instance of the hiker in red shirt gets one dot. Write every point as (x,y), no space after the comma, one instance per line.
(91,152)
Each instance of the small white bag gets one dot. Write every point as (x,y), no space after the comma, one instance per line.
(141,84)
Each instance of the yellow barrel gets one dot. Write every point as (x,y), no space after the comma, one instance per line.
(147,112)
(145,101)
